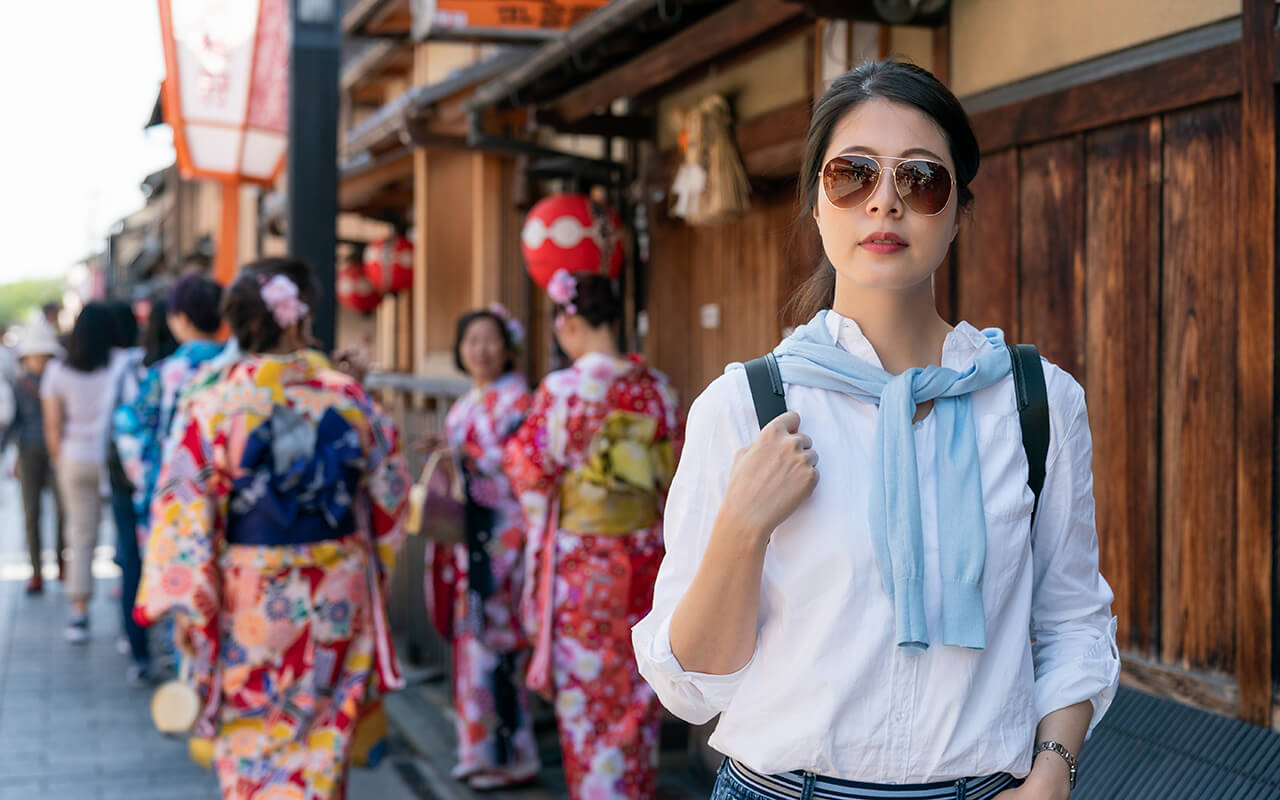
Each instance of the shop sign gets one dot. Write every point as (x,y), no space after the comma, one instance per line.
(498,20)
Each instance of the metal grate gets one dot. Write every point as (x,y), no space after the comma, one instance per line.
(1148,747)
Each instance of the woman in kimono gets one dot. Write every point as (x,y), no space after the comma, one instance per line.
(275,524)
(591,466)
(496,745)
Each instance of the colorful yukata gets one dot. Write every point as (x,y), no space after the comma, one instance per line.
(276,521)
(591,466)
(495,729)
(144,419)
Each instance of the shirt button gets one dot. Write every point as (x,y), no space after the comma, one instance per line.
(900,717)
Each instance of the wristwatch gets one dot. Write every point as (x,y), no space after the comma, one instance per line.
(1062,751)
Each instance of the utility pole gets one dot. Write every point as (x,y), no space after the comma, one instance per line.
(312,182)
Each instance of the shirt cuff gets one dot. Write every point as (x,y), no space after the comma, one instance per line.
(1093,676)
(693,696)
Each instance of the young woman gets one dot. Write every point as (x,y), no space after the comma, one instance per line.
(75,398)
(496,745)
(896,628)
(591,466)
(276,520)
(123,453)
(39,346)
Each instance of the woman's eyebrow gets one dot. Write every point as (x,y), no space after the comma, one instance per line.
(914,151)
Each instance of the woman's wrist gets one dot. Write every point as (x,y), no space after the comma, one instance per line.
(1050,776)
(740,530)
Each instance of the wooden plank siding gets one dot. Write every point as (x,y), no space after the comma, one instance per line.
(1122,316)
(1117,251)
(744,268)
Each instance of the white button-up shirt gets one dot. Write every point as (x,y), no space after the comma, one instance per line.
(827,689)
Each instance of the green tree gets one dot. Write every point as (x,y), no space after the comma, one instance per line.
(19,298)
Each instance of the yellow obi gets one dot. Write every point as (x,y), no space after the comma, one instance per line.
(616,491)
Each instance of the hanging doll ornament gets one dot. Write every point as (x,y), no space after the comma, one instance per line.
(711,184)
(571,232)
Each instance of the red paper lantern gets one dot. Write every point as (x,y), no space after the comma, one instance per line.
(355,291)
(389,264)
(569,232)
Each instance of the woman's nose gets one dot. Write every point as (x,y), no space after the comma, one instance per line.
(885,200)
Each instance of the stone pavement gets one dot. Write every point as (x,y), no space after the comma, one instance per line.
(71,728)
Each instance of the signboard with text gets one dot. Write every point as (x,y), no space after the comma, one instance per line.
(498,20)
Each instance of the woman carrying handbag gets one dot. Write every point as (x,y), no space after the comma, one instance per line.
(277,517)
(496,745)
(899,627)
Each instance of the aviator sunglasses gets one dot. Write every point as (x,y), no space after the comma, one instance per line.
(925,186)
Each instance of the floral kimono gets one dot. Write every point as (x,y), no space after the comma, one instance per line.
(276,521)
(495,729)
(144,419)
(591,466)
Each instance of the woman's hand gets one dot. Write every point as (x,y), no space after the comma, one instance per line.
(770,478)
(1044,783)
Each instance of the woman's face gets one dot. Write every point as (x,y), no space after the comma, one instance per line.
(35,364)
(483,350)
(855,239)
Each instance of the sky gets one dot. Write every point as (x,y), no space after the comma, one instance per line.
(79,80)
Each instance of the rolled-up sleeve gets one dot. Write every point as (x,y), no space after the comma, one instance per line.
(1074,634)
(719,425)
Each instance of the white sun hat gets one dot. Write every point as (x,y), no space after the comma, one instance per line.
(39,340)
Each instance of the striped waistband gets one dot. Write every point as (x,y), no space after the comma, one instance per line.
(792,784)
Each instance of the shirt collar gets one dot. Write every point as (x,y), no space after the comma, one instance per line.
(959,350)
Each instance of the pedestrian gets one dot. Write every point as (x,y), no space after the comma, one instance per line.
(591,466)
(35,468)
(75,397)
(496,745)
(899,628)
(127,489)
(276,520)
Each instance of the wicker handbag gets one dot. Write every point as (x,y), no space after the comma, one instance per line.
(175,706)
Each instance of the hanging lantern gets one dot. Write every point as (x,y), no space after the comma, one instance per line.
(570,232)
(355,291)
(389,264)
(226,97)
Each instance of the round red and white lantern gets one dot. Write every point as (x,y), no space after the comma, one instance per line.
(570,232)
(389,264)
(355,290)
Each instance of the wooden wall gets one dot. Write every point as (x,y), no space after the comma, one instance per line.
(746,268)
(1115,251)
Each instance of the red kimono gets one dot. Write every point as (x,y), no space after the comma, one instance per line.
(591,466)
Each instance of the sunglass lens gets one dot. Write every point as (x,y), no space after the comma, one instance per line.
(849,180)
(924,186)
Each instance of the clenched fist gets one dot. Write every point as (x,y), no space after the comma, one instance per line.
(770,478)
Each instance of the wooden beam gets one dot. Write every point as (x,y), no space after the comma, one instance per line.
(357,186)
(1255,363)
(700,42)
(421,267)
(1177,83)
(1214,693)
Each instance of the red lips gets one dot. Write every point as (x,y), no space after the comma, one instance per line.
(885,236)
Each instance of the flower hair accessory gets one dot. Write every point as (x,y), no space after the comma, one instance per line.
(514,329)
(563,289)
(281,296)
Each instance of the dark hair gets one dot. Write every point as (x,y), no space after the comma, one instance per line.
(901,82)
(50,308)
(126,324)
(246,312)
(199,297)
(158,341)
(92,337)
(464,323)
(596,300)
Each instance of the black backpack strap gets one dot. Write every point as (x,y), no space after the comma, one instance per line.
(765,380)
(1033,412)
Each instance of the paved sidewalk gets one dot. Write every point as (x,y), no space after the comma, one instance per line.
(70,726)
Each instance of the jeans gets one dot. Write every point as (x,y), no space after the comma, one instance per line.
(129,557)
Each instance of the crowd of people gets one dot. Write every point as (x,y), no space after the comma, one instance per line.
(927,621)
